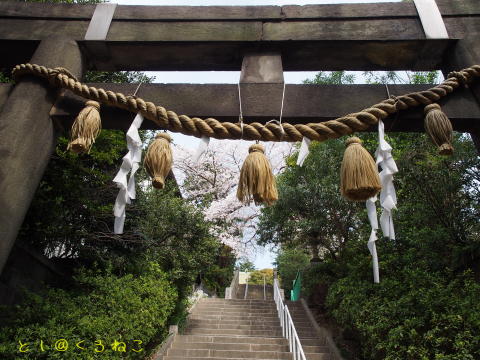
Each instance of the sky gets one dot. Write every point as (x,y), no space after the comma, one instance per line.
(265,257)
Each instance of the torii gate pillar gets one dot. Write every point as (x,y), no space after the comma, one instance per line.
(465,53)
(28,137)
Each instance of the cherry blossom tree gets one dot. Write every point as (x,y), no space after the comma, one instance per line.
(211,184)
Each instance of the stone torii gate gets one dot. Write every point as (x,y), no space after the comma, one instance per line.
(262,41)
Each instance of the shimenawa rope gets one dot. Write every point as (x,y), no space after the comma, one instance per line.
(210,127)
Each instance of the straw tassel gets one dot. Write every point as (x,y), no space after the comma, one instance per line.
(85,128)
(256,178)
(359,179)
(439,128)
(158,160)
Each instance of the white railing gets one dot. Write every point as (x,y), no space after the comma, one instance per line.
(246,288)
(288,329)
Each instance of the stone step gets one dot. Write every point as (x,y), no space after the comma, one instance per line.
(193,325)
(307,336)
(252,320)
(313,342)
(322,356)
(249,306)
(233,317)
(231,346)
(205,358)
(237,314)
(236,307)
(302,332)
(301,329)
(230,339)
(308,350)
(210,331)
(239,302)
(188,353)
(295,314)
(304,323)
(315,349)
(269,310)
(302,318)
(304,335)
(296,310)
(290,302)
(221,329)
(227,321)
(235,301)
(312,334)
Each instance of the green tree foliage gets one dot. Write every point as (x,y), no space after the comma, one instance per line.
(106,307)
(331,78)
(245,265)
(218,275)
(141,285)
(72,208)
(71,217)
(175,233)
(257,277)
(414,313)
(288,262)
(311,214)
(425,306)
(406,77)
(119,77)
(71,213)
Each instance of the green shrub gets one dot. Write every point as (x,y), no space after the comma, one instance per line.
(103,307)
(415,315)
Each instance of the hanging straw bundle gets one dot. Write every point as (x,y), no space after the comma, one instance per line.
(256,178)
(359,179)
(158,160)
(439,128)
(85,128)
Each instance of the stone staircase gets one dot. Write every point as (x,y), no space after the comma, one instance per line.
(314,347)
(255,292)
(223,329)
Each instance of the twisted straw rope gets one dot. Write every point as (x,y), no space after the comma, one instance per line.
(210,127)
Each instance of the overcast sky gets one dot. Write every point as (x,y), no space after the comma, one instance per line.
(265,259)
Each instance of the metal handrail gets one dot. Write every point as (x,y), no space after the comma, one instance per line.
(288,328)
(246,287)
(264,290)
(297,287)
